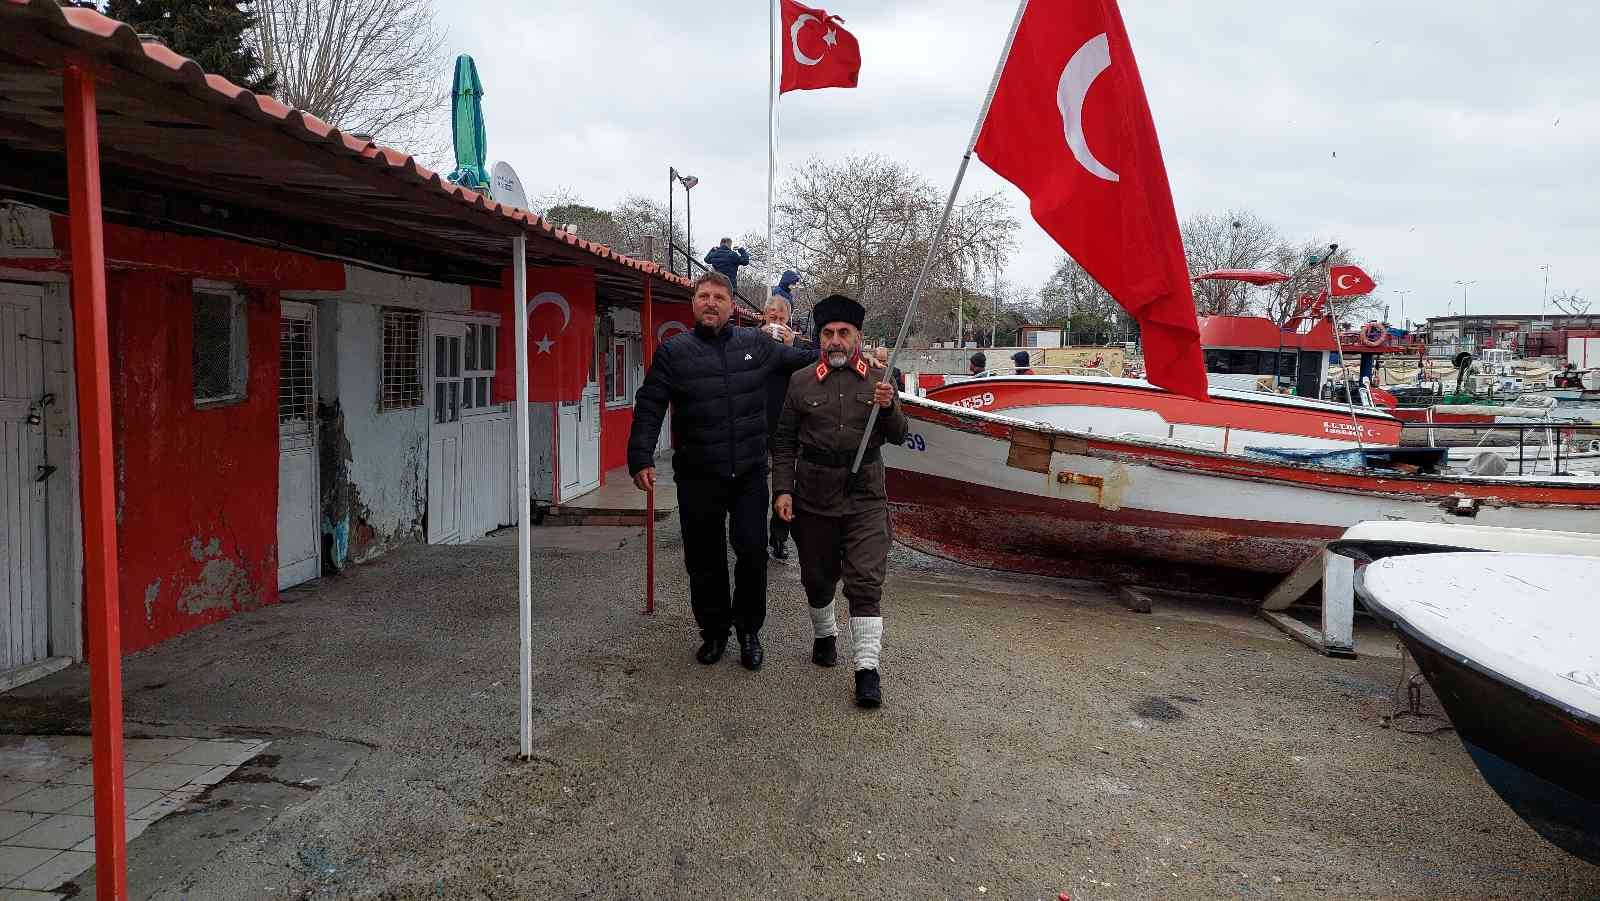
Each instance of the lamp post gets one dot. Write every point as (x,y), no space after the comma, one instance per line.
(1403,308)
(1466,324)
(688,182)
(1546,301)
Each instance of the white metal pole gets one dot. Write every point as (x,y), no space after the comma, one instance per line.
(938,232)
(772,121)
(519,285)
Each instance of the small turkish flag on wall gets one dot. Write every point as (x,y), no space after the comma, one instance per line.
(817,53)
(1349,281)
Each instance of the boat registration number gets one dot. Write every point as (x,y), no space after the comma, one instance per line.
(986,399)
(914,442)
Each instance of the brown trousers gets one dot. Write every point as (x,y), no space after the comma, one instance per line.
(854,547)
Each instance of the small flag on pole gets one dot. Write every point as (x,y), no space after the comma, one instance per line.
(1070,126)
(1350,281)
(817,51)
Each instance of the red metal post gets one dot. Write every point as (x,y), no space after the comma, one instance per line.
(99,490)
(649,496)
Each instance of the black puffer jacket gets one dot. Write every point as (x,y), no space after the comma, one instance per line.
(717,386)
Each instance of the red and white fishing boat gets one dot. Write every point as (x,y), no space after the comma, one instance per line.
(1000,492)
(1232,421)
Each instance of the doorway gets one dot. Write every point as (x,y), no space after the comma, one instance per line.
(299,515)
(40,556)
(446,393)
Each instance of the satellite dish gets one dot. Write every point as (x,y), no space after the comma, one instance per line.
(506,186)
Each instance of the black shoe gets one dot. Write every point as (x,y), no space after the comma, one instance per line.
(780,550)
(825,651)
(711,651)
(868,692)
(750,653)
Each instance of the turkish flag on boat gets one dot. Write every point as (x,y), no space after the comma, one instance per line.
(1070,126)
(560,337)
(1349,281)
(817,53)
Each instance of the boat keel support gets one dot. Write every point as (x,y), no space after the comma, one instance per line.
(1336,575)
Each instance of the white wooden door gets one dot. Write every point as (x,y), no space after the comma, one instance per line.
(299,489)
(24,515)
(444,435)
(589,439)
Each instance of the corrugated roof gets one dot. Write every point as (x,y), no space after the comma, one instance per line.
(246,149)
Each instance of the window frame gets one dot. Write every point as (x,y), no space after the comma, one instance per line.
(420,400)
(470,375)
(628,374)
(238,344)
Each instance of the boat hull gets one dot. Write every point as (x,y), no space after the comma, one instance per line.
(1005,494)
(1538,756)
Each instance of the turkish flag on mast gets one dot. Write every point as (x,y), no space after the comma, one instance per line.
(1070,126)
(1349,281)
(817,53)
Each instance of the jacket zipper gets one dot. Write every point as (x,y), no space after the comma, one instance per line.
(727,393)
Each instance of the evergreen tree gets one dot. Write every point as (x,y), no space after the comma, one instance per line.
(210,32)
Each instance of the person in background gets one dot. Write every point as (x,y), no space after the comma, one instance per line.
(976,365)
(785,286)
(715,379)
(724,259)
(775,322)
(840,519)
(1021,361)
(882,357)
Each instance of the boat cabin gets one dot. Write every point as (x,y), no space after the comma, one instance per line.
(1240,350)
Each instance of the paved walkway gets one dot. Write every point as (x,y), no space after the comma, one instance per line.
(1037,739)
(620,495)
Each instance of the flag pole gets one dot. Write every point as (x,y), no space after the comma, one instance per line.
(938,233)
(772,117)
(1344,362)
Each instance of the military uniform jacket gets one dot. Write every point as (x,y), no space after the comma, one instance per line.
(824,416)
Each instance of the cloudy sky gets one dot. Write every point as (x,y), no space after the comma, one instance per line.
(1441,142)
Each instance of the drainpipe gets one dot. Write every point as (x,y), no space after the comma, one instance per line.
(98,486)
(649,496)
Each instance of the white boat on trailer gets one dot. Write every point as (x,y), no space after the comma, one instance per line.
(1005,493)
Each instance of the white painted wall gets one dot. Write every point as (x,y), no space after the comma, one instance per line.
(388,451)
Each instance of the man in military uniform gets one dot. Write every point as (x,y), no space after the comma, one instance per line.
(840,521)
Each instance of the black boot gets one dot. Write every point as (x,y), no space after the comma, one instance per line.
(825,651)
(711,651)
(780,550)
(868,692)
(750,653)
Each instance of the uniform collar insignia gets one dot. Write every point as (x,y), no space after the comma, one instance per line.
(856,363)
(822,369)
(861,366)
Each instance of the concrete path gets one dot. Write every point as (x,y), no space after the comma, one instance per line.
(1037,739)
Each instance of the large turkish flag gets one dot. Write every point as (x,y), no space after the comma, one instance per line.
(560,337)
(817,53)
(1350,281)
(1070,126)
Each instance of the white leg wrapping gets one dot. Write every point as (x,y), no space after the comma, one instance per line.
(824,622)
(866,640)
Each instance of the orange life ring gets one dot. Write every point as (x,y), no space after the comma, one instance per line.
(1373,333)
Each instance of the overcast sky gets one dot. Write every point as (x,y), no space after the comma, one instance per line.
(1440,142)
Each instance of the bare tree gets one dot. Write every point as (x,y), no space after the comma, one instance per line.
(369,67)
(863,226)
(1231,240)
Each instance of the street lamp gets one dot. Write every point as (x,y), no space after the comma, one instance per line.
(688,181)
(1546,301)
(1403,307)
(1466,323)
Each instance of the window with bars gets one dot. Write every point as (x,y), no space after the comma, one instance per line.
(219,347)
(400,385)
(297,401)
(478,373)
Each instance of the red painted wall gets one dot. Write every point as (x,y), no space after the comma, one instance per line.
(197,488)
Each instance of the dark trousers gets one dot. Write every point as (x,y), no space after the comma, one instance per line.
(853,547)
(715,513)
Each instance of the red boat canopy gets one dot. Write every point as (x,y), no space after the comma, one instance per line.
(1262,334)
(1255,277)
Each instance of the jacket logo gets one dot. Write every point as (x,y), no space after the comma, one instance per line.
(748,357)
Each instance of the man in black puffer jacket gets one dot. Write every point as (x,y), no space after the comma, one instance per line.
(715,377)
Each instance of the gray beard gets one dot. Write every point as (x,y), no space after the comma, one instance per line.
(837,361)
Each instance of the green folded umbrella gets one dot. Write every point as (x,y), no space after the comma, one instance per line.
(466,126)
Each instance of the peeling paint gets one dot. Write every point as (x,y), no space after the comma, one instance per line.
(223,585)
(151,592)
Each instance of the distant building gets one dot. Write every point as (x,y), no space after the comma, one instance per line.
(1526,334)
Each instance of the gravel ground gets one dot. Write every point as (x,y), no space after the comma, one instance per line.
(1036,739)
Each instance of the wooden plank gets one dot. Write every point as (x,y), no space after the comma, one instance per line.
(1338,604)
(1295,629)
(10,645)
(1134,600)
(29,672)
(1297,583)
